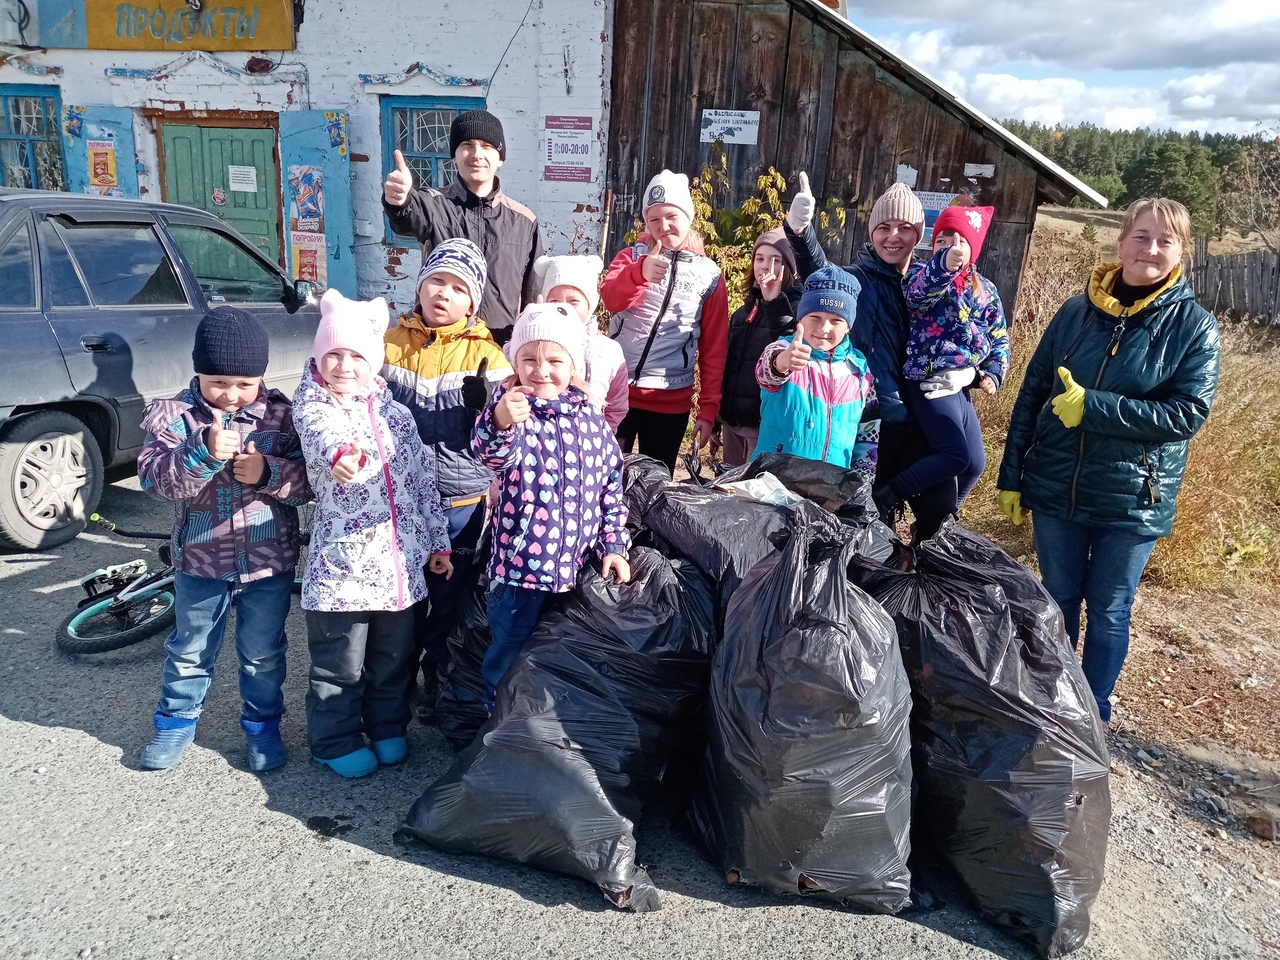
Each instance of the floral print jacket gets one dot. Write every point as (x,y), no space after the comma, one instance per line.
(559,494)
(951,326)
(372,537)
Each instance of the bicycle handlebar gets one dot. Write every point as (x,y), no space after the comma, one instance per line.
(110,526)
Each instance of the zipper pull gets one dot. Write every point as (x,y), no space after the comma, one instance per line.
(1118,333)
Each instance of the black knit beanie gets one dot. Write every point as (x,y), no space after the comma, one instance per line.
(477,125)
(230,343)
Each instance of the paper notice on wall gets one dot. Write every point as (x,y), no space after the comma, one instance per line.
(973,170)
(907,174)
(934,203)
(731,126)
(102,168)
(570,145)
(242,179)
(306,224)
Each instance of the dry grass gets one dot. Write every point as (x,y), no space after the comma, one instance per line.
(1227,531)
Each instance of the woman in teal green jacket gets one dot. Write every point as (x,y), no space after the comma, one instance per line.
(1121,381)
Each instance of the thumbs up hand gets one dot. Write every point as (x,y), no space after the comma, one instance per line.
(956,258)
(250,467)
(476,392)
(513,408)
(795,356)
(221,442)
(399,183)
(800,215)
(1069,405)
(346,467)
(654,267)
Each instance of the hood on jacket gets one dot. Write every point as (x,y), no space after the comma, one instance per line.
(1103,280)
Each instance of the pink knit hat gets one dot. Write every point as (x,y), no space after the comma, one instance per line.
(356,325)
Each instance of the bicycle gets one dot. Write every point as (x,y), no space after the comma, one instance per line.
(125,603)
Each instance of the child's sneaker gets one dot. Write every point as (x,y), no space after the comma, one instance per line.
(266,749)
(392,750)
(165,747)
(358,763)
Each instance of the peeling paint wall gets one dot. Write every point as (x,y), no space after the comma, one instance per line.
(558,63)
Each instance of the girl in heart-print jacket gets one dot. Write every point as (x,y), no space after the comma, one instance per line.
(560,491)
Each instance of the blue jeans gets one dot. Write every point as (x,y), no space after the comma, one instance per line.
(513,613)
(201,608)
(1099,567)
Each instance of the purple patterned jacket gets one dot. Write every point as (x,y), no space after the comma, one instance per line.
(223,529)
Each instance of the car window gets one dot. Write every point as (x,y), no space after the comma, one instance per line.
(123,263)
(227,272)
(61,282)
(17,273)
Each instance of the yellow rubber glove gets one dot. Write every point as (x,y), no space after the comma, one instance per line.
(1011,505)
(1069,405)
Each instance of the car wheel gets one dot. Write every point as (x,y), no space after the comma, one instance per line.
(50,479)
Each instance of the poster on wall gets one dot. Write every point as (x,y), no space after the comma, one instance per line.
(103,179)
(740,127)
(306,223)
(934,203)
(570,143)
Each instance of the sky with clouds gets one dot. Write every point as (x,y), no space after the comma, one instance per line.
(1209,65)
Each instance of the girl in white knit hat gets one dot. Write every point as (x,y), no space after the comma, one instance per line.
(670,314)
(575,282)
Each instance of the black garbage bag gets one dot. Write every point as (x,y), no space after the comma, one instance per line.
(1010,759)
(460,710)
(584,722)
(836,489)
(808,776)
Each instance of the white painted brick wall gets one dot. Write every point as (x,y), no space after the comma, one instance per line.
(341,39)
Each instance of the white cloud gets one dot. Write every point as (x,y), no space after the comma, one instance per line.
(976,51)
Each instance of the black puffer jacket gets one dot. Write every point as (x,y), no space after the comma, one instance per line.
(881,327)
(753,326)
(505,231)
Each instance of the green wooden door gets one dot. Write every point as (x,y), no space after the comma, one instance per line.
(212,168)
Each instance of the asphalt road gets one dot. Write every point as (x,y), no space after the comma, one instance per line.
(101,859)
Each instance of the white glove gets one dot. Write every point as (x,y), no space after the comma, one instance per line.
(800,215)
(947,382)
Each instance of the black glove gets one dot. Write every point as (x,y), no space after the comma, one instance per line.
(476,392)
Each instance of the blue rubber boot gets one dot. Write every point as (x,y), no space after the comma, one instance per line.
(358,763)
(165,747)
(392,750)
(266,749)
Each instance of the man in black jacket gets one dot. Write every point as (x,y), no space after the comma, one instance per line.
(474,208)
(880,332)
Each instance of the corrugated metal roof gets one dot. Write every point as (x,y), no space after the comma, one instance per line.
(878,51)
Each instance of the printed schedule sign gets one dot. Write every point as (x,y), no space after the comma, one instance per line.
(570,145)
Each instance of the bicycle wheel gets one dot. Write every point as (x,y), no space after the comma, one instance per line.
(98,628)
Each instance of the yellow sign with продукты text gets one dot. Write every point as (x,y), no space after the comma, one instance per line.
(173,25)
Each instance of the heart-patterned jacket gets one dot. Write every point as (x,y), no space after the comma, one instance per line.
(560,491)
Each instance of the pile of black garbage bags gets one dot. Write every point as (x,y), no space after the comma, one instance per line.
(813,710)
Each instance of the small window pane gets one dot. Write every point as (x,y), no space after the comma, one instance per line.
(228,273)
(61,283)
(49,165)
(431,130)
(124,264)
(26,116)
(17,278)
(14,163)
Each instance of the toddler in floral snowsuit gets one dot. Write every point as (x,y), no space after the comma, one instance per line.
(378,523)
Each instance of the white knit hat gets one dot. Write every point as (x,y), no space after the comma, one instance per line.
(356,325)
(672,188)
(581,273)
(553,322)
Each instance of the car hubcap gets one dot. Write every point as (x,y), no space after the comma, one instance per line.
(50,478)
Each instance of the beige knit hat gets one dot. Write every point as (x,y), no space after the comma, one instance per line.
(899,202)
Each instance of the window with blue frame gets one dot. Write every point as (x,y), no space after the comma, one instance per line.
(419,128)
(30,139)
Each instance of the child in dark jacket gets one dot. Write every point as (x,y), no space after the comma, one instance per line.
(957,336)
(768,314)
(226,452)
(560,481)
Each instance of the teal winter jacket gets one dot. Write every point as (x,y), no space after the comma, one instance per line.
(826,411)
(1149,372)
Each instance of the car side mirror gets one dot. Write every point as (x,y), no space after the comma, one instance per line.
(304,291)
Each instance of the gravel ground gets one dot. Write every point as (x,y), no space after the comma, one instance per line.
(100,859)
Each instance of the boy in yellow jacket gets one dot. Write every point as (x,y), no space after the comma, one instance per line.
(443,365)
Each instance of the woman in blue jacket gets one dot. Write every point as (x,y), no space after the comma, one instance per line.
(1121,381)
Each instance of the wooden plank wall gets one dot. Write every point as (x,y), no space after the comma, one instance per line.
(1241,285)
(825,107)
